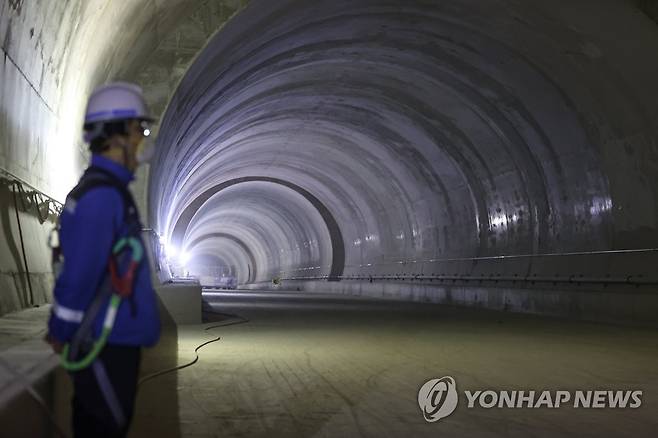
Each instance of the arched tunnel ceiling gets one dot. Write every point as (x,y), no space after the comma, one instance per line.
(276,228)
(273,189)
(427,129)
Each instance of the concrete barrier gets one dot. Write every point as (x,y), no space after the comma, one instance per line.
(182,302)
(621,304)
(32,363)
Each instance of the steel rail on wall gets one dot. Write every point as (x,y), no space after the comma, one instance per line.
(632,280)
(31,194)
(31,199)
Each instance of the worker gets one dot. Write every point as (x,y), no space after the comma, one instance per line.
(97,214)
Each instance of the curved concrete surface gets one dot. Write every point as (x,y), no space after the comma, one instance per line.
(426,132)
(267,201)
(429,131)
(500,154)
(53,54)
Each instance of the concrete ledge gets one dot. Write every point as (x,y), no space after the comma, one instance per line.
(629,305)
(181,301)
(30,363)
(27,360)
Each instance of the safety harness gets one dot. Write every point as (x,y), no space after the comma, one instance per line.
(116,285)
(83,349)
(122,286)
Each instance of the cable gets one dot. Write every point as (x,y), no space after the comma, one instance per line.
(241,320)
(35,395)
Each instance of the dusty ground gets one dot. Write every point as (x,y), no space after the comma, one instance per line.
(334,366)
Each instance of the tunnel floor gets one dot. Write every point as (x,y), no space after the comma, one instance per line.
(341,366)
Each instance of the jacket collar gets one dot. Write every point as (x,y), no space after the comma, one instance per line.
(123,174)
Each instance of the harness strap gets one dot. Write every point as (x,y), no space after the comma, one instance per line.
(109,394)
(97,345)
(97,176)
(113,285)
(83,334)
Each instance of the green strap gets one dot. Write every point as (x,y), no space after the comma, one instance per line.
(110,316)
(135,246)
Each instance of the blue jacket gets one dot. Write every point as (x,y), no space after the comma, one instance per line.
(88,229)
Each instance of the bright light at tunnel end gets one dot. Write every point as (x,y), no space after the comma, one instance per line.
(184,257)
(174,254)
(171,252)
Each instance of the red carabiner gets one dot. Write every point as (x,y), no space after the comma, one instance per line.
(123,285)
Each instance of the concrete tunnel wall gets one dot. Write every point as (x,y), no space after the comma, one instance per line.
(433,133)
(53,54)
(430,131)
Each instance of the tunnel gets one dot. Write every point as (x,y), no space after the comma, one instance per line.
(365,203)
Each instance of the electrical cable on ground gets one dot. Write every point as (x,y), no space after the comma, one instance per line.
(240,320)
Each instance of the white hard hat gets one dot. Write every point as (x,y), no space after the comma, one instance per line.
(116,101)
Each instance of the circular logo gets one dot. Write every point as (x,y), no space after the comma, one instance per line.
(437,398)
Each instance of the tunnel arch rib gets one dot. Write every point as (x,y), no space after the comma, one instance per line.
(337,245)
(253,273)
(425,132)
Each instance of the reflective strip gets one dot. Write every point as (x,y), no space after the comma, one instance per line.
(109,317)
(68,315)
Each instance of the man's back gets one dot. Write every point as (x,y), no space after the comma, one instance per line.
(90,225)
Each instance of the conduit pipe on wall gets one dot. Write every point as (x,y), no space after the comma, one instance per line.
(45,208)
(36,196)
(20,234)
